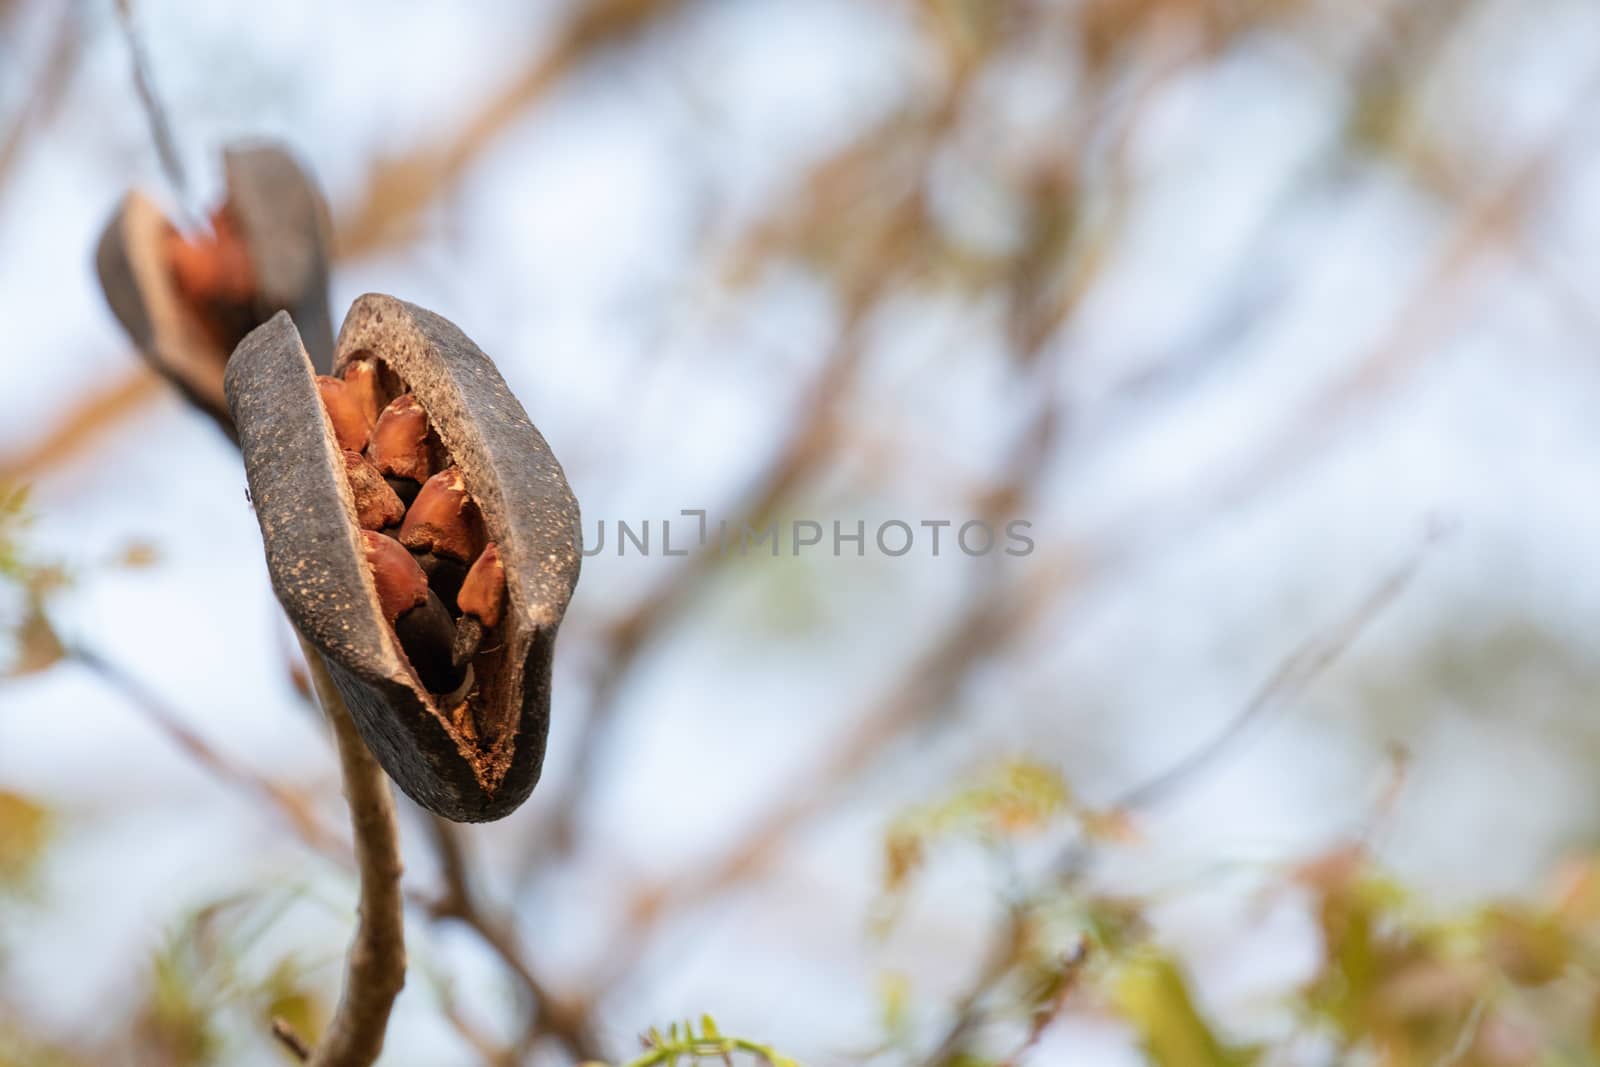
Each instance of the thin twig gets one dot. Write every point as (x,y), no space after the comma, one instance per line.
(1293,676)
(290,804)
(399,190)
(290,1039)
(42,98)
(1003,956)
(1490,222)
(160,124)
(812,438)
(461,902)
(995,613)
(625,641)
(95,413)
(376,968)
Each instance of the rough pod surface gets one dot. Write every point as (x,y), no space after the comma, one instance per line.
(186,301)
(473,753)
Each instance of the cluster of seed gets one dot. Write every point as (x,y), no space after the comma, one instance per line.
(440,580)
(214,276)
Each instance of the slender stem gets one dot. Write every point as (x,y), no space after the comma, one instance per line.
(376,968)
(567,1023)
(160,125)
(291,1040)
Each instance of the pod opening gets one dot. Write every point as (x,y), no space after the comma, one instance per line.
(438,572)
(213,277)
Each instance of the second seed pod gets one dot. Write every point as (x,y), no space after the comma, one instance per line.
(186,302)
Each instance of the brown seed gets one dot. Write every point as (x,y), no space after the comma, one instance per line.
(444,520)
(363,380)
(377,506)
(421,621)
(401,583)
(399,445)
(215,281)
(483,593)
(482,600)
(215,267)
(426,633)
(350,425)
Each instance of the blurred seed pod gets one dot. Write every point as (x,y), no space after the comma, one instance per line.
(186,300)
(472,755)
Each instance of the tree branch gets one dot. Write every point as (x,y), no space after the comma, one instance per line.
(376,969)
(290,804)
(567,1023)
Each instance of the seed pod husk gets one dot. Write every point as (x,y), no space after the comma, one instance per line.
(275,210)
(476,754)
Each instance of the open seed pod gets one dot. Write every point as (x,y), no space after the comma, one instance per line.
(187,300)
(452,697)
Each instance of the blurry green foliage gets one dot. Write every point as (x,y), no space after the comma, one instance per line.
(685,1044)
(18,1049)
(1018,798)
(35,646)
(176,1020)
(1512,983)
(200,983)
(24,832)
(1152,994)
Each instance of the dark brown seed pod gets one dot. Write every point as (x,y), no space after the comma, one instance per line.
(475,753)
(187,300)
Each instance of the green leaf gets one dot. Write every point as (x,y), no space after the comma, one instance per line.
(24,833)
(1151,993)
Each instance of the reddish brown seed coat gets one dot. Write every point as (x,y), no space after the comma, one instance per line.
(443,519)
(362,378)
(399,444)
(401,583)
(377,506)
(483,593)
(350,426)
(209,268)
